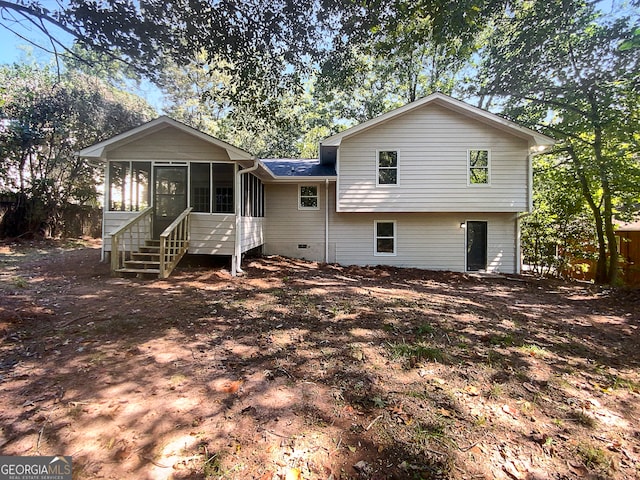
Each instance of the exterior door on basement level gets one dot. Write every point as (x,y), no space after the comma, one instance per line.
(169,196)
(476,246)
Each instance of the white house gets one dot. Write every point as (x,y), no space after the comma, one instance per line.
(436,184)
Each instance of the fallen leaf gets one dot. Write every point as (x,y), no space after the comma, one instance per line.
(530,388)
(471,390)
(510,410)
(267,476)
(293,474)
(476,450)
(578,469)
(513,471)
(445,413)
(231,387)
(352,448)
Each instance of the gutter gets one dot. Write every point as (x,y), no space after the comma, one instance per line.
(237,256)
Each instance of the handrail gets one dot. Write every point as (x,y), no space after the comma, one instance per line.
(174,243)
(126,232)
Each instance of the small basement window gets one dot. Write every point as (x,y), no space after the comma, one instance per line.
(387,167)
(478,161)
(385,237)
(308,197)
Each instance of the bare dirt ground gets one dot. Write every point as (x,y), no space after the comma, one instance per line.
(307,371)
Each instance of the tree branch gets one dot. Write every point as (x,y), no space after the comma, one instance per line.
(43,18)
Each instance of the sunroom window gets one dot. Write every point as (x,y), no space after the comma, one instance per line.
(212,177)
(129,186)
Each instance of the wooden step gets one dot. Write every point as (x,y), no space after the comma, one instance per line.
(150,249)
(152,243)
(142,264)
(145,255)
(144,271)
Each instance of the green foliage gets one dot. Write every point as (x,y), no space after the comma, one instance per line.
(414,353)
(592,456)
(559,235)
(558,66)
(46,118)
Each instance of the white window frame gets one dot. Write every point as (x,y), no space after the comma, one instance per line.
(469,183)
(300,196)
(397,168)
(376,238)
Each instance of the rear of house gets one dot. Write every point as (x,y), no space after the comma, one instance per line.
(436,184)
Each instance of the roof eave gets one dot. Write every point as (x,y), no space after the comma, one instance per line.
(303,178)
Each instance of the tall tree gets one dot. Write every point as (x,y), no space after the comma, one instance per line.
(45,119)
(268,47)
(558,65)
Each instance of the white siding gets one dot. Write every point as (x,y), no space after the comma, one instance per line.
(432,241)
(288,229)
(432,174)
(212,234)
(169,144)
(424,240)
(252,233)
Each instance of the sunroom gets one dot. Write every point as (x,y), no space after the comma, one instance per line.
(171,189)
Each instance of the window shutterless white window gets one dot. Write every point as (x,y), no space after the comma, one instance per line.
(479,163)
(384,241)
(387,167)
(308,197)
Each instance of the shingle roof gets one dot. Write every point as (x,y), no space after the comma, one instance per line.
(298,167)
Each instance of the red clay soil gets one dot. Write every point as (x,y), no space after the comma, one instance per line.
(305,371)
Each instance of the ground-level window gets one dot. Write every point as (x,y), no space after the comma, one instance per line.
(308,197)
(479,161)
(384,237)
(387,167)
(129,186)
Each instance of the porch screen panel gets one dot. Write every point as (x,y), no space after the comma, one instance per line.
(118,174)
(129,186)
(222,174)
(252,196)
(201,187)
(140,178)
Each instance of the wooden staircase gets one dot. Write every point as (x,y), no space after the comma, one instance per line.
(133,252)
(146,261)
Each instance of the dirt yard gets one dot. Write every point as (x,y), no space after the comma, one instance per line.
(307,371)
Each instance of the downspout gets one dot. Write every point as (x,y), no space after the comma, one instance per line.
(237,256)
(326,220)
(105,206)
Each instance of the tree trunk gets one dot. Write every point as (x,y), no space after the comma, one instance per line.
(601,264)
(612,247)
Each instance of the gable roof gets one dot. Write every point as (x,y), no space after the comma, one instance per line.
(445,101)
(99,150)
